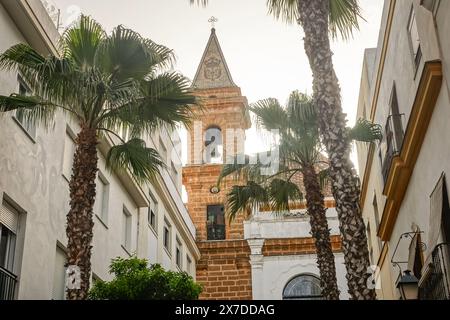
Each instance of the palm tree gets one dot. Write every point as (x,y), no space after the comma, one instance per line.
(109,84)
(300,155)
(319,19)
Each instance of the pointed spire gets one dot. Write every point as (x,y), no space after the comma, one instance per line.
(213,71)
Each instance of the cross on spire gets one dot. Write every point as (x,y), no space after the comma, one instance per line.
(213,21)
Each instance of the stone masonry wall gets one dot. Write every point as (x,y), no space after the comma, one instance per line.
(224,270)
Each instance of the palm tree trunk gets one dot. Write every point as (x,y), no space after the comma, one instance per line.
(321,233)
(345,184)
(79,229)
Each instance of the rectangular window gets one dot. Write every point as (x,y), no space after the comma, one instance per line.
(126,229)
(152,213)
(7,248)
(9,223)
(189,264)
(216,222)
(59,275)
(102,198)
(152,219)
(414,39)
(69,152)
(29,127)
(167,235)
(162,150)
(376,212)
(178,254)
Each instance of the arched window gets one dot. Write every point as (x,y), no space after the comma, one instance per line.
(213,145)
(303,287)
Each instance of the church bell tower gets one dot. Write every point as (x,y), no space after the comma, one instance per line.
(217,134)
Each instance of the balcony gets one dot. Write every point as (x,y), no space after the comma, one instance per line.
(392,141)
(8,282)
(435,283)
(216,232)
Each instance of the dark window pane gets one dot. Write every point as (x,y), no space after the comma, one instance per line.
(216,222)
(152,219)
(166,238)
(7,248)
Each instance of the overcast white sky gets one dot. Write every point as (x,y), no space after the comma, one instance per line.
(265,56)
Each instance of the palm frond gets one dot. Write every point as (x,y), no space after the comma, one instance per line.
(51,78)
(144,163)
(242,198)
(344,18)
(324,178)
(301,109)
(20,55)
(15,101)
(282,193)
(204,3)
(30,109)
(80,42)
(248,168)
(365,131)
(234,166)
(270,115)
(166,99)
(285,10)
(163,57)
(343,15)
(125,54)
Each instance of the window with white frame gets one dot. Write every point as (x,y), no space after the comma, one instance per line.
(102,198)
(414,39)
(9,224)
(167,234)
(178,254)
(59,275)
(20,116)
(126,229)
(153,213)
(69,152)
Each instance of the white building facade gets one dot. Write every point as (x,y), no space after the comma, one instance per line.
(292,272)
(405,88)
(150,221)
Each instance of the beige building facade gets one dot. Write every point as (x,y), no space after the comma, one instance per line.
(405,88)
(150,221)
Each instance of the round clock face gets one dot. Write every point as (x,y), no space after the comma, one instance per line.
(214,189)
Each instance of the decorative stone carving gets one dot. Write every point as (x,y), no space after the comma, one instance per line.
(213,70)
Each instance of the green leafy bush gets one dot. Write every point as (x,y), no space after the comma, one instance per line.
(134,280)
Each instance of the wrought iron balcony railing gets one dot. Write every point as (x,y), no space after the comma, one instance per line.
(8,282)
(393,140)
(436,279)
